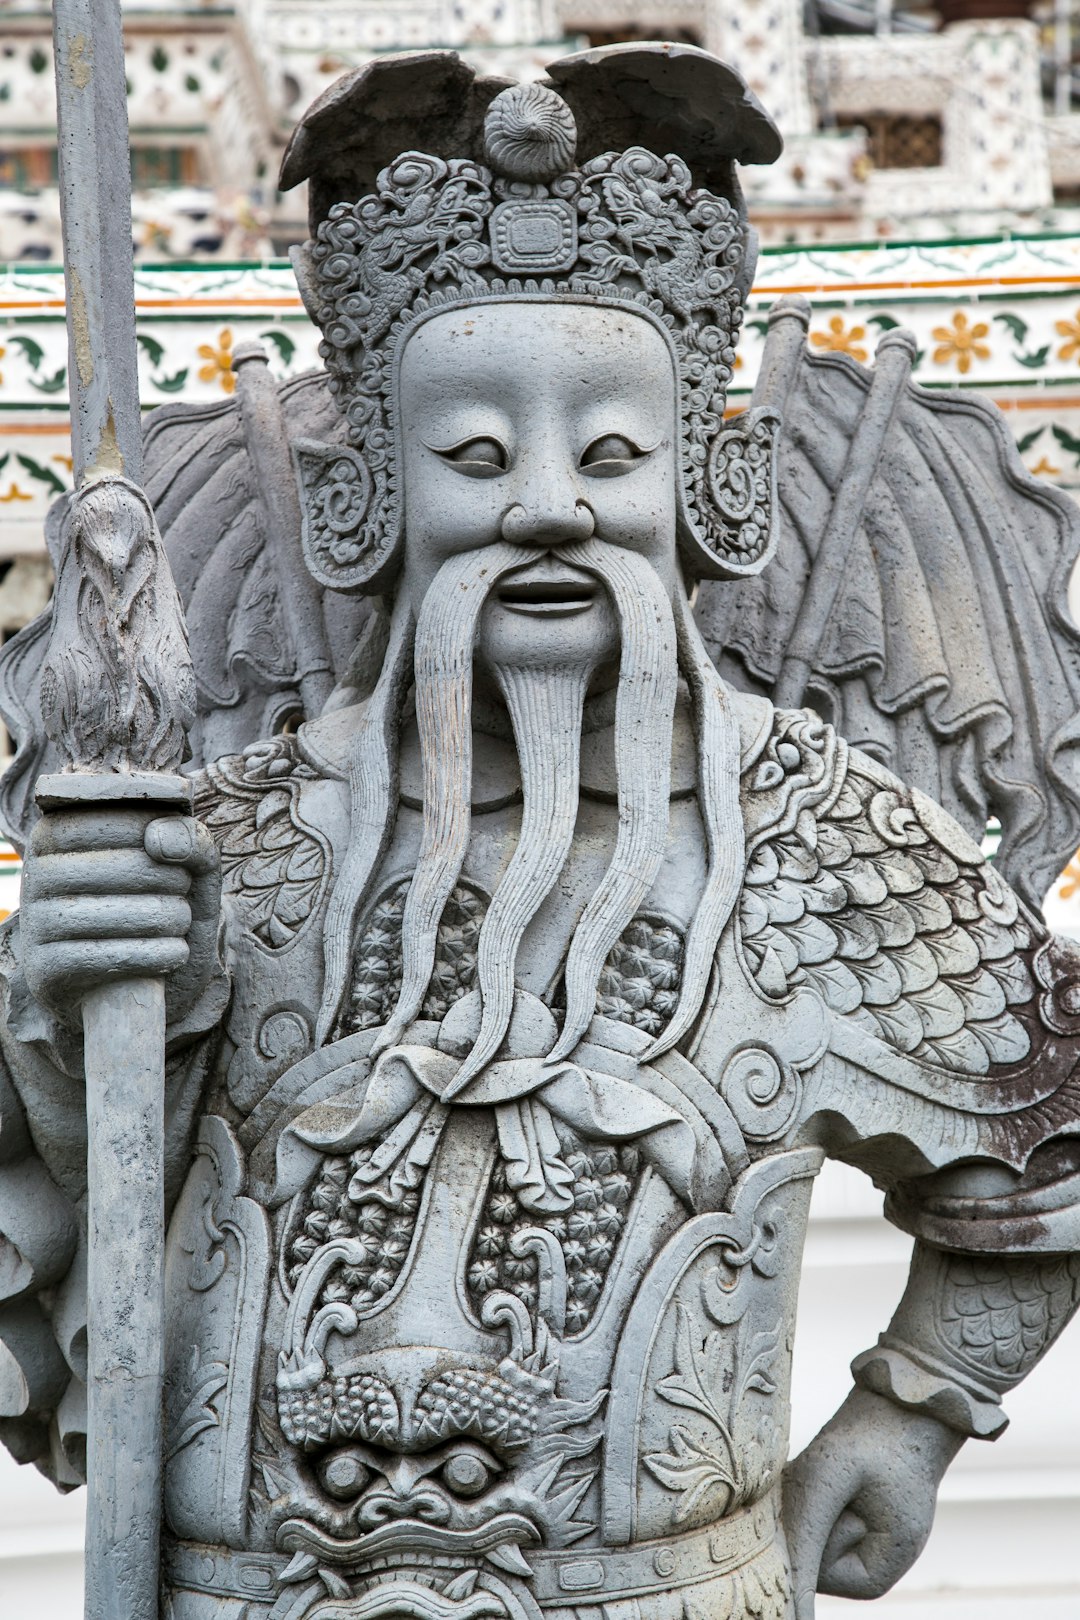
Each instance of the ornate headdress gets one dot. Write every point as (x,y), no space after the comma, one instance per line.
(667,236)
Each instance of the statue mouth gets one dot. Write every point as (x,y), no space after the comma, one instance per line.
(408,1600)
(411,1536)
(548,589)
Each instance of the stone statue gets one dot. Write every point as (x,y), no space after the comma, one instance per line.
(521,969)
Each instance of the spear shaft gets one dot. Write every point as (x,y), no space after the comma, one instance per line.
(95,214)
(116,700)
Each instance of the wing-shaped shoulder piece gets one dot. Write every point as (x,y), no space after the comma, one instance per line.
(918,597)
(937,979)
(875,899)
(200,476)
(271,858)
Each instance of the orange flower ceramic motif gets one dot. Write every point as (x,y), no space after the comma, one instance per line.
(837,340)
(3,351)
(1069,882)
(218,367)
(1070,331)
(960,344)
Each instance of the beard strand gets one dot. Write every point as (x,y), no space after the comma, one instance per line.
(443,668)
(718,759)
(644,716)
(545,708)
(373,792)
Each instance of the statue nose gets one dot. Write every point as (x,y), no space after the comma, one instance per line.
(536,525)
(417,1503)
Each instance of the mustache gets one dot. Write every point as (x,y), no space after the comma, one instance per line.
(718,758)
(545,706)
(644,717)
(406,1535)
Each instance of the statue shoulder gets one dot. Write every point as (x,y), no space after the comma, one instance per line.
(865,890)
(275,858)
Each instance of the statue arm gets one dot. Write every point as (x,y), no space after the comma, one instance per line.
(968,1329)
(860,1500)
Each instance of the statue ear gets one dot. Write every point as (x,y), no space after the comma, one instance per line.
(735,499)
(348,545)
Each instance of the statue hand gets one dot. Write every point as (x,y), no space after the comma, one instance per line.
(115,894)
(859,1501)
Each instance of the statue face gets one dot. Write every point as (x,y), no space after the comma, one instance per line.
(541,424)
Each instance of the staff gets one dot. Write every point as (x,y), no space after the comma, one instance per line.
(117,698)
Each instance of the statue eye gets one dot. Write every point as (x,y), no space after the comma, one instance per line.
(477,458)
(466,1473)
(343,1474)
(610,455)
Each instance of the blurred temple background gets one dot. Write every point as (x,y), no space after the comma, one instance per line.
(931,179)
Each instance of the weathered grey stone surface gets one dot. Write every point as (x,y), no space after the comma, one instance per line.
(518,990)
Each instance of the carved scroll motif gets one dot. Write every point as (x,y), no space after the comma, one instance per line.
(697,1418)
(217,1272)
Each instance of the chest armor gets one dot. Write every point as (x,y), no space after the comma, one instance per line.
(516,1356)
(528,1352)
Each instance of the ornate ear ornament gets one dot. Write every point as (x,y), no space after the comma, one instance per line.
(736,529)
(346,547)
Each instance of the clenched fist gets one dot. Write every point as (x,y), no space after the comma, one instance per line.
(859,1501)
(115,894)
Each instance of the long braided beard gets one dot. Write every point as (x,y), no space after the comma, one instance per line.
(545,707)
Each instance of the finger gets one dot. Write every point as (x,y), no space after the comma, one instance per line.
(106,917)
(74,964)
(866,1571)
(205,900)
(173,838)
(805,1601)
(107,871)
(181,841)
(867,1561)
(847,1577)
(72,831)
(807,1518)
(845,1535)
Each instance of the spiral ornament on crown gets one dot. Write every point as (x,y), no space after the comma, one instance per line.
(529,134)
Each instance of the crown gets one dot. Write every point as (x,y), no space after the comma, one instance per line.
(521,221)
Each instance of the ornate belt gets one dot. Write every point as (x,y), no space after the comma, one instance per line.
(647,1567)
(637,1570)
